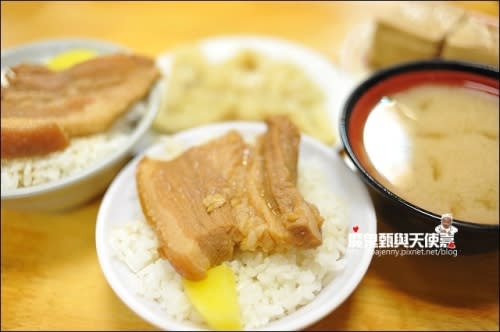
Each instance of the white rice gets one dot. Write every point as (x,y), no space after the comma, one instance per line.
(269,286)
(81,153)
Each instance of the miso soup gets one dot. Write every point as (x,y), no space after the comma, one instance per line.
(436,146)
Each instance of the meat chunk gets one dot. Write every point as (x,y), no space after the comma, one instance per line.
(172,194)
(31,138)
(271,214)
(82,100)
(301,219)
(226,194)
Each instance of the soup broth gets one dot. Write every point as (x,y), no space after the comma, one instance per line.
(437,147)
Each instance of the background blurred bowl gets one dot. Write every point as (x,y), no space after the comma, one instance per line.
(471,237)
(332,81)
(78,188)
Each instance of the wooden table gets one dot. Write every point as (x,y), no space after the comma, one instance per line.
(50,275)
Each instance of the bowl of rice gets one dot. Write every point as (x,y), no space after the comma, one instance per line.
(279,291)
(65,179)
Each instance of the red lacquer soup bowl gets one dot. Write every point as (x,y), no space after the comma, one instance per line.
(404,215)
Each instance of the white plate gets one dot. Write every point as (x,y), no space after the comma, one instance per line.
(335,84)
(120,205)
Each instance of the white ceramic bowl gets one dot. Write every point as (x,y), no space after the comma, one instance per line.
(120,205)
(73,190)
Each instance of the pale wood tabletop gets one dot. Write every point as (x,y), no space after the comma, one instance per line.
(51,279)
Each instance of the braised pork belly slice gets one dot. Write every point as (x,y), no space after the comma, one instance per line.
(41,105)
(176,199)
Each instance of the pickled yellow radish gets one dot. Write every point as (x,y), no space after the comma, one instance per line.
(216,299)
(70,58)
